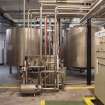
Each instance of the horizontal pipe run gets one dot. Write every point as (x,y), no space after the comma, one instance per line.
(67,1)
(75,8)
(89,14)
(50,88)
(60,13)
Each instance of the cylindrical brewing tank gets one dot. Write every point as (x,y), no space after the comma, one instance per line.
(21,42)
(76,47)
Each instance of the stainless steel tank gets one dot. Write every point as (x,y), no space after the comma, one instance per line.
(76,47)
(21,42)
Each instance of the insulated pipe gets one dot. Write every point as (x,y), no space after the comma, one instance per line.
(92,10)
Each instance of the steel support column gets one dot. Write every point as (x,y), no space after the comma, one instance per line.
(89,51)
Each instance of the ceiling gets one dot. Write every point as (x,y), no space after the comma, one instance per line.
(15,7)
(70,8)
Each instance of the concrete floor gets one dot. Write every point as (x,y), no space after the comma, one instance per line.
(75,77)
(11,97)
(6,77)
(8,97)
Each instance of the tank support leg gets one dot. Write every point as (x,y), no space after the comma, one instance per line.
(10,69)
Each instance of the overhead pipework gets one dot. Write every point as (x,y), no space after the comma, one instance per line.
(93,10)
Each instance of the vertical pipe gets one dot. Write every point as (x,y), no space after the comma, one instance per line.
(89,51)
(31,30)
(50,36)
(45,30)
(28,31)
(31,20)
(41,31)
(55,36)
(24,9)
(45,35)
(56,47)
(36,21)
(28,19)
(58,53)
(59,30)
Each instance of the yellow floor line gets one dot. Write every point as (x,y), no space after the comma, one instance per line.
(66,88)
(78,87)
(88,100)
(4,87)
(42,102)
